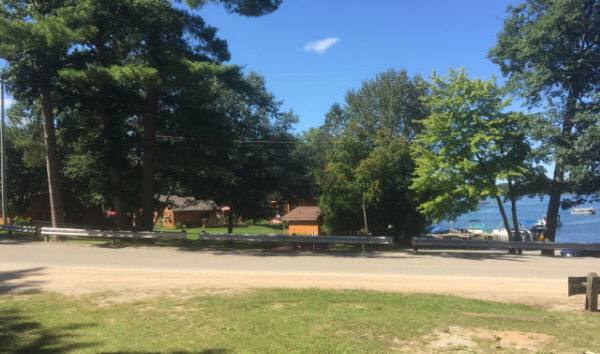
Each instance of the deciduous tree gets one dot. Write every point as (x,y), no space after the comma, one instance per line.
(365,181)
(467,145)
(550,52)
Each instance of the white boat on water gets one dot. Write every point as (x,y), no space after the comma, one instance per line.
(583,211)
(501,234)
(478,227)
(541,224)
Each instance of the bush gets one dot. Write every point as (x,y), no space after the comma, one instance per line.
(21,220)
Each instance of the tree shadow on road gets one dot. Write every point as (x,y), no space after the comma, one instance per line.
(290,250)
(379,252)
(481,255)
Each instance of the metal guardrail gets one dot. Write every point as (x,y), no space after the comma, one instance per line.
(46,232)
(19,228)
(427,242)
(112,235)
(366,240)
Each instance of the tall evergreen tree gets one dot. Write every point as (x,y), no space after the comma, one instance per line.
(124,64)
(25,158)
(257,163)
(35,39)
(153,68)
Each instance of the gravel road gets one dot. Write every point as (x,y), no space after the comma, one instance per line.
(491,275)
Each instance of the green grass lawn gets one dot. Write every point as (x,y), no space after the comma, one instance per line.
(279,321)
(257,228)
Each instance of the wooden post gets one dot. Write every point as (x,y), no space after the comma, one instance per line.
(590,286)
(591,294)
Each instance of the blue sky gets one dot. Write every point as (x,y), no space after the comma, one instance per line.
(311,52)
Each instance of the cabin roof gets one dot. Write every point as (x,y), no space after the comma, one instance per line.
(303,213)
(177,203)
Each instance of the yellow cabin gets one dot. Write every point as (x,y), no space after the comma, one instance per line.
(305,220)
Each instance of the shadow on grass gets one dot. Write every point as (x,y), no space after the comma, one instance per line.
(20,334)
(14,281)
(207,351)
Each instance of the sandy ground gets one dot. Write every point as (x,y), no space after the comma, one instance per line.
(490,275)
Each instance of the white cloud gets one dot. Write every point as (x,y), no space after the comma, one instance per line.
(321,46)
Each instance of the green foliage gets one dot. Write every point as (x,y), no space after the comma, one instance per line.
(368,166)
(385,176)
(20,220)
(257,164)
(35,39)
(136,85)
(549,50)
(310,153)
(26,173)
(466,146)
(242,7)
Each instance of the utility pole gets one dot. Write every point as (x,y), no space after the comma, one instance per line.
(2,153)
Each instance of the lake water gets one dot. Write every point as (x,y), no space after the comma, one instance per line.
(575,228)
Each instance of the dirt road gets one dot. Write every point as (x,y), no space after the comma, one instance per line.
(77,269)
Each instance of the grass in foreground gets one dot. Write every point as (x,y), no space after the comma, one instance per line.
(276,321)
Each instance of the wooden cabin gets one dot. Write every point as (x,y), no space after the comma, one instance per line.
(190,212)
(304,220)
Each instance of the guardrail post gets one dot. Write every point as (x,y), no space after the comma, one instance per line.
(184,239)
(38,231)
(46,237)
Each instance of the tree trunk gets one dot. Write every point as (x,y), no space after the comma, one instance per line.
(513,209)
(113,169)
(57,216)
(505,221)
(553,207)
(230,221)
(556,187)
(149,160)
